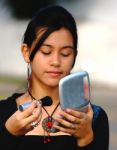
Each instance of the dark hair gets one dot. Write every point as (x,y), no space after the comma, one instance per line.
(52,18)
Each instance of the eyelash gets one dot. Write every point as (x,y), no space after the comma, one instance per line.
(65,55)
(48,53)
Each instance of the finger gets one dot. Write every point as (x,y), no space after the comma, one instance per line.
(65,123)
(37,108)
(29,127)
(70,118)
(28,111)
(39,118)
(90,111)
(65,130)
(36,122)
(36,116)
(75,113)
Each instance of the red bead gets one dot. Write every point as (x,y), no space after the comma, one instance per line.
(45,141)
(49,140)
(49,124)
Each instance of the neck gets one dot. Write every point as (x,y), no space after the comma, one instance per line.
(39,92)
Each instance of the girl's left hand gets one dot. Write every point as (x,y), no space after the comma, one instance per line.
(78,124)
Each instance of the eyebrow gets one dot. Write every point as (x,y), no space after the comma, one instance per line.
(67,46)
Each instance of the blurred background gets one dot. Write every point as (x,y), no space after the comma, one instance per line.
(97,48)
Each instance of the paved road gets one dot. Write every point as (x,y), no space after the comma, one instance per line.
(104,96)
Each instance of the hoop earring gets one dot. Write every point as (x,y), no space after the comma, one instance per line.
(28,75)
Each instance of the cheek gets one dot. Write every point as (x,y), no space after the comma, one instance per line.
(68,65)
(36,64)
(38,60)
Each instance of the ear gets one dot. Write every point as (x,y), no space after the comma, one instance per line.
(25,52)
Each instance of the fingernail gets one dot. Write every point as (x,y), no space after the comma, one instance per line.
(59,116)
(39,103)
(67,110)
(73,126)
(55,123)
(34,102)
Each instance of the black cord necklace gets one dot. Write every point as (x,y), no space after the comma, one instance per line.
(47,123)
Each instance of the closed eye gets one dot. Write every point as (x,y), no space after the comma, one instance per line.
(65,54)
(45,53)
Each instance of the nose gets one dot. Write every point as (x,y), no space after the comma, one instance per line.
(55,61)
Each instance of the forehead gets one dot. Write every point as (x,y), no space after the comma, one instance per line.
(61,36)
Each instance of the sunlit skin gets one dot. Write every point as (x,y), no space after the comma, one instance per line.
(53,61)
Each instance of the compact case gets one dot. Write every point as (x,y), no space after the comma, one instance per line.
(74,91)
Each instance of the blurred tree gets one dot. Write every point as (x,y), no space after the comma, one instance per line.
(24,9)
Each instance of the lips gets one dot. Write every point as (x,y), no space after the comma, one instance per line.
(54,73)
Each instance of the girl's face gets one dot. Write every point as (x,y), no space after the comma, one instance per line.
(54,59)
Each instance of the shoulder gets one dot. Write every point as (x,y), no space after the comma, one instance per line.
(7,102)
(98,110)
(99,114)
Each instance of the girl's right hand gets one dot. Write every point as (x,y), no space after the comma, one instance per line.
(20,122)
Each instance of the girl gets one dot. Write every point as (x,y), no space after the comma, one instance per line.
(49,48)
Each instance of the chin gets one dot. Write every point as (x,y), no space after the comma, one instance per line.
(52,85)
